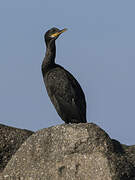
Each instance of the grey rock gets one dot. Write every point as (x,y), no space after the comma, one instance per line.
(130,153)
(71,152)
(10,141)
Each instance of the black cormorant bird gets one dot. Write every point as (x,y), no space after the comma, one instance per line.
(63,89)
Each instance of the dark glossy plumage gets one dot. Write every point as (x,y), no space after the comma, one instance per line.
(63,89)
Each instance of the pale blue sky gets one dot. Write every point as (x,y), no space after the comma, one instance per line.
(98,49)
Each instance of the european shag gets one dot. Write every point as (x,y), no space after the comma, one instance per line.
(63,89)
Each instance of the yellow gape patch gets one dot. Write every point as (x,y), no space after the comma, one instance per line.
(58,33)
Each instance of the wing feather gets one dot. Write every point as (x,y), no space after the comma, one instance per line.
(66,93)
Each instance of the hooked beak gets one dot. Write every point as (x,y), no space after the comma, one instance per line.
(58,33)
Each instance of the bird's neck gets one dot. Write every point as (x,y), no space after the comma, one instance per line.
(50,54)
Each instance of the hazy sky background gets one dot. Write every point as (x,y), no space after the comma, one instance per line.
(98,49)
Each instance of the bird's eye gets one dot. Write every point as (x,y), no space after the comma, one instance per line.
(53,30)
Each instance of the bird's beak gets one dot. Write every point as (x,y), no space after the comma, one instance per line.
(58,33)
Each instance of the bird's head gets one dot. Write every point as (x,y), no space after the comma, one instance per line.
(52,34)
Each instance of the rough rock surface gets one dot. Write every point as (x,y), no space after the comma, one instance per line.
(10,141)
(71,152)
(130,153)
